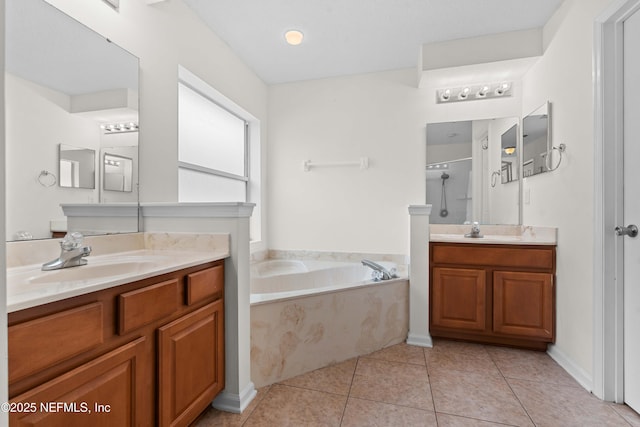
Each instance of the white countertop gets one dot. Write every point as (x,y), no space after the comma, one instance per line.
(489,239)
(495,234)
(28,286)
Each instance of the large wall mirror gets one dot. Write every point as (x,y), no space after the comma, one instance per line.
(68,91)
(464,171)
(536,141)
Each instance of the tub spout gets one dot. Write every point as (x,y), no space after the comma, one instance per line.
(383,273)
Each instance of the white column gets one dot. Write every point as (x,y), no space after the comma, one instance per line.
(419,276)
(232,218)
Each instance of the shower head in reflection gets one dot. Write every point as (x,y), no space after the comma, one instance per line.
(444,175)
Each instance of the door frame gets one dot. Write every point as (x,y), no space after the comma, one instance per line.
(608,298)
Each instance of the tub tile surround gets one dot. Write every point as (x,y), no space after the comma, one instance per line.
(292,337)
(400,260)
(495,234)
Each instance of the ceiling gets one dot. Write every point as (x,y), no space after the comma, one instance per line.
(345,37)
(47,47)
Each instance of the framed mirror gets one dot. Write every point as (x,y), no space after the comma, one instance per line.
(536,141)
(119,173)
(464,160)
(509,170)
(66,87)
(77,167)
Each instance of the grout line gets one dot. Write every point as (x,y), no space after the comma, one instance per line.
(509,385)
(433,400)
(353,376)
(258,403)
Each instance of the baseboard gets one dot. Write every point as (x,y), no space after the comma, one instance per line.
(579,374)
(420,340)
(236,403)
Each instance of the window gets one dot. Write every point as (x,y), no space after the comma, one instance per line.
(219,149)
(213,150)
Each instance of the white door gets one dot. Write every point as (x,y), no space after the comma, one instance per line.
(632,210)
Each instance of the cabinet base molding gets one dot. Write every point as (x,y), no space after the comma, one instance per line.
(235,403)
(501,341)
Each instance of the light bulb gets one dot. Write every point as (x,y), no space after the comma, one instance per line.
(294,37)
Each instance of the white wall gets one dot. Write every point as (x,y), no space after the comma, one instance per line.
(164,35)
(382,116)
(564,198)
(38,121)
(4,373)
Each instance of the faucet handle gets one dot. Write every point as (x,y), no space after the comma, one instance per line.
(71,241)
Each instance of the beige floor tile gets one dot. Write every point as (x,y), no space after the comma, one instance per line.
(551,405)
(285,406)
(530,365)
(446,420)
(457,357)
(401,353)
(392,382)
(215,418)
(457,346)
(628,414)
(332,379)
(363,413)
(485,397)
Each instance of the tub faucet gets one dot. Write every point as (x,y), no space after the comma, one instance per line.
(72,252)
(383,273)
(475,231)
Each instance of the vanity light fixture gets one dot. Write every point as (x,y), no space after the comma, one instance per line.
(119,127)
(294,37)
(111,162)
(438,166)
(473,92)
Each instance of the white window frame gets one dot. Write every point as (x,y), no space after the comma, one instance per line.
(253,169)
(217,172)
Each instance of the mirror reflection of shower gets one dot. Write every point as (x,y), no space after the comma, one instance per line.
(449,191)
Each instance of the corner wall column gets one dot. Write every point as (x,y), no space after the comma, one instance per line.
(231,218)
(419,276)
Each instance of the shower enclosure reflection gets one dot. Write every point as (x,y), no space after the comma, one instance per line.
(462,158)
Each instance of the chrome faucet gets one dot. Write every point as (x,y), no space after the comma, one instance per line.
(475,231)
(382,273)
(72,252)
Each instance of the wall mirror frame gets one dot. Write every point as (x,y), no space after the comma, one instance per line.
(64,83)
(509,155)
(464,172)
(76,167)
(536,141)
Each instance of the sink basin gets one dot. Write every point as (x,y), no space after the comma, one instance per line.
(97,268)
(90,271)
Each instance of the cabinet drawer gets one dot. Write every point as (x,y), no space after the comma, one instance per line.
(40,343)
(205,284)
(507,256)
(143,306)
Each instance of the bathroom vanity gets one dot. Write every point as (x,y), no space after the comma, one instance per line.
(148,352)
(499,292)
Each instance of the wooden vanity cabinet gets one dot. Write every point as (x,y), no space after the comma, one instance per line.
(499,294)
(145,353)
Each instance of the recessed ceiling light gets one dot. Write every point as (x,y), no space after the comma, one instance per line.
(293,37)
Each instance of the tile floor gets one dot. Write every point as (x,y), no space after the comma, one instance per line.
(451,384)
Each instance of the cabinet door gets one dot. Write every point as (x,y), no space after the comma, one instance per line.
(191,364)
(108,391)
(523,304)
(459,298)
